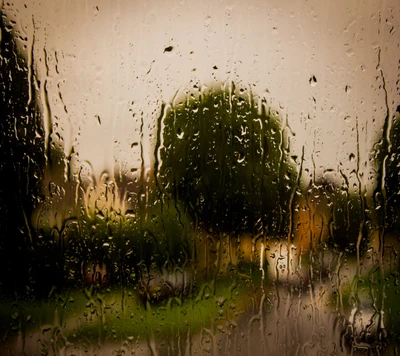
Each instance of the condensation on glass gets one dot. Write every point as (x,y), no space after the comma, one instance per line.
(199,177)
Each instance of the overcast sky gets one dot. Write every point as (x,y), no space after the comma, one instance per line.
(316,62)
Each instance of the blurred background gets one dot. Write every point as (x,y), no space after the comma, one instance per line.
(199,177)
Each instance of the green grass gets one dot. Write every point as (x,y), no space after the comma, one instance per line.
(116,314)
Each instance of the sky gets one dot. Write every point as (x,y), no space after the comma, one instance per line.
(331,70)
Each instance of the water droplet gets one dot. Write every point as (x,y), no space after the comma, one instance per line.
(313,81)
(179,133)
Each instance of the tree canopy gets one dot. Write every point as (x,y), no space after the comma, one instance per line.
(225,155)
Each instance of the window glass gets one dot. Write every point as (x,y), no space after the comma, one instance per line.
(199,177)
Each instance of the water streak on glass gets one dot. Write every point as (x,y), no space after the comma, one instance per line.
(196,178)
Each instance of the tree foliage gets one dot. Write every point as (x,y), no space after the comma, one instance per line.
(225,155)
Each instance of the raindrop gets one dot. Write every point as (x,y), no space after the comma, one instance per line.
(179,133)
(313,81)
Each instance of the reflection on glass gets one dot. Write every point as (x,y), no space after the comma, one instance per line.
(157,198)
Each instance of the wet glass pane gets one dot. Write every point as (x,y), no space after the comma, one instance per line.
(199,178)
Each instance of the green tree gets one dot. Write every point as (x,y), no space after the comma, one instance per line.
(21,162)
(392,177)
(225,155)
